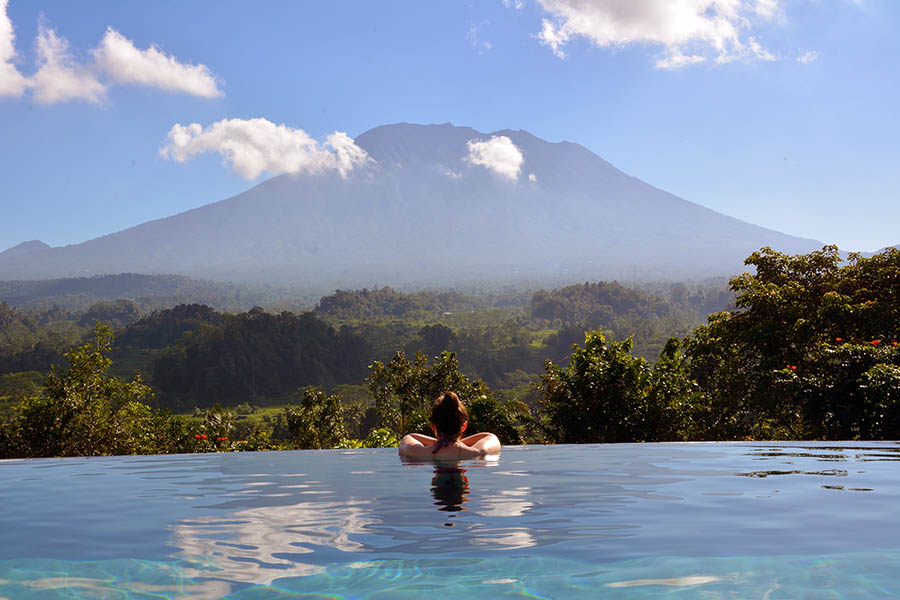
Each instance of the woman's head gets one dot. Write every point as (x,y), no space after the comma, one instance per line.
(448,415)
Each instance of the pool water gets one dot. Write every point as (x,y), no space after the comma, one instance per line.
(707,520)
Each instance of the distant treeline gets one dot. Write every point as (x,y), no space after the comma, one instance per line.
(147,292)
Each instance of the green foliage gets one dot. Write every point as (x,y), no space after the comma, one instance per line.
(254,442)
(386,303)
(255,355)
(595,304)
(377,438)
(115,313)
(82,410)
(673,398)
(809,353)
(487,414)
(33,340)
(318,422)
(599,397)
(18,386)
(164,328)
(608,395)
(617,310)
(436,339)
(380,438)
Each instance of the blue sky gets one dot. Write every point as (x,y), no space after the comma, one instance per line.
(779,112)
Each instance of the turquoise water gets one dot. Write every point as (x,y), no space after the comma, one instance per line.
(710,520)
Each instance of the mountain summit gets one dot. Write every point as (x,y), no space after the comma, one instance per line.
(436,204)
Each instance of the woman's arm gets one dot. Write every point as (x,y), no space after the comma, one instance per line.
(484,442)
(413,444)
(425,440)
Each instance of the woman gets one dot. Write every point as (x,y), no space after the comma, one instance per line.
(449,419)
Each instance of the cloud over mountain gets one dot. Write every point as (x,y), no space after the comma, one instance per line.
(254,146)
(498,154)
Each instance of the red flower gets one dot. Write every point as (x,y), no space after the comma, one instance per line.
(197,436)
(203,435)
(839,340)
(894,344)
(793,367)
(875,342)
(221,439)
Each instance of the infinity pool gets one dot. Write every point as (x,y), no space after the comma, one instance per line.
(709,520)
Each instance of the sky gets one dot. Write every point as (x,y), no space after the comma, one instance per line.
(783,113)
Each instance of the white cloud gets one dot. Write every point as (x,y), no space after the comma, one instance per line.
(554,37)
(516,4)
(498,154)
(12,83)
(253,146)
(118,58)
(689,31)
(59,77)
(808,57)
(532,177)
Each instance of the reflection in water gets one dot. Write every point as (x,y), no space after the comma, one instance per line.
(261,544)
(669,582)
(450,488)
(511,502)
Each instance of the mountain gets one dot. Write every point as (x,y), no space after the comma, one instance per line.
(420,213)
(23,248)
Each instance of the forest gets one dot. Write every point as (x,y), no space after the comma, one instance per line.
(799,347)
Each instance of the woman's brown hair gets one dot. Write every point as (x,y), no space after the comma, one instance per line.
(448,414)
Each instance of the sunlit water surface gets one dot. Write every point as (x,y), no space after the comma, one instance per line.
(711,520)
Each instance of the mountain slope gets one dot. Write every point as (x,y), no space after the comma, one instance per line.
(420,213)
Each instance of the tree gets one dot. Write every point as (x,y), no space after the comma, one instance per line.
(673,398)
(398,390)
(436,338)
(487,414)
(600,397)
(318,422)
(82,410)
(117,313)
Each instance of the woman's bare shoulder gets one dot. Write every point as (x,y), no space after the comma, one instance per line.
(484,443)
